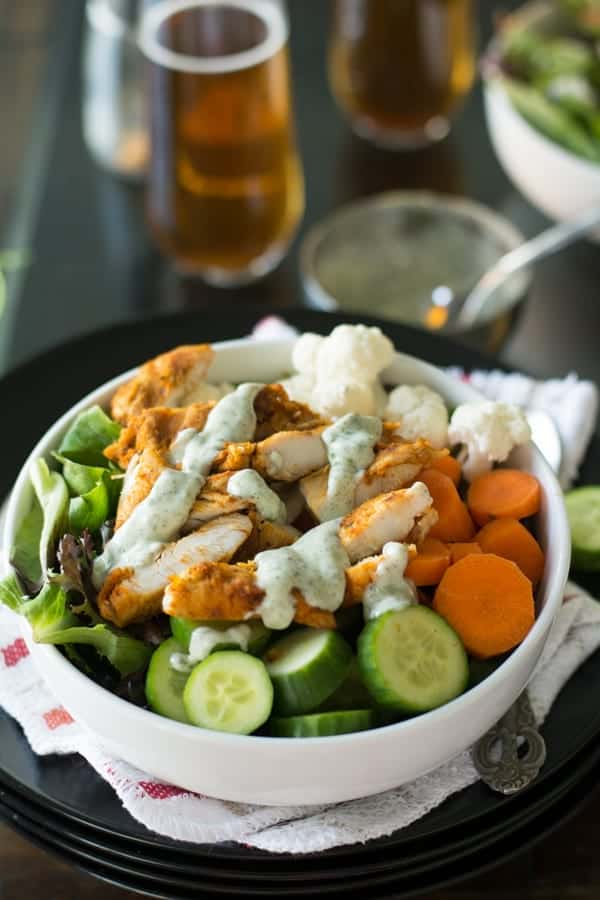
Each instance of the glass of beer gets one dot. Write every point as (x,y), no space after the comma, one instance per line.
(399,68)
(225,186)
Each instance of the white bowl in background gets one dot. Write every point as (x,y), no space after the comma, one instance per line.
(296,771)
(555,180)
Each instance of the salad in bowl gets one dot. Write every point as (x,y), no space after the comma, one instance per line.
(319,549)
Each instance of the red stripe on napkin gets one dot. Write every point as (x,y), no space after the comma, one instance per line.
(157,791)
(15,652)
(56,717)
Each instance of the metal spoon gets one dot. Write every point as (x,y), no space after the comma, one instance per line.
(464,311)
(510,755)
(546,437)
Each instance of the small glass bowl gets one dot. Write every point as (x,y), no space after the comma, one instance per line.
(403,255)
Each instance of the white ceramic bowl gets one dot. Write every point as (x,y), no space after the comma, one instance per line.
(295,771)
(555,180)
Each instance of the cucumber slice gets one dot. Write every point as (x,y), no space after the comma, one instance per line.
(260,635)
(323,724)
(583,511)
(229,691)
(164,684)
(411,660)
(351,694)
(306,666)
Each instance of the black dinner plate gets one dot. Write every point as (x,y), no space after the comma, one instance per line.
(510,841)
(68,788)
(130,860)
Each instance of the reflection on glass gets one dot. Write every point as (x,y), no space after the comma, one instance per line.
(225,191)
(399,68)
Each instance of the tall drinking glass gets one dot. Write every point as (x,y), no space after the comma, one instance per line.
(399,68)
(225,186)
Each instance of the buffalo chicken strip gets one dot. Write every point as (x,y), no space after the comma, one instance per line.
(135,594)
(231,592)
(165,380)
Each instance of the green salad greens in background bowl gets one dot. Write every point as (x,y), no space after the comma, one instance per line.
(542,99)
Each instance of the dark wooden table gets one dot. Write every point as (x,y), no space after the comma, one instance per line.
(92,264)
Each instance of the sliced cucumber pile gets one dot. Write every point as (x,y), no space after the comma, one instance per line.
(323,724)
(164,684)
(411,660)
(306,666)
(583,511)
(182,629)
(229,691)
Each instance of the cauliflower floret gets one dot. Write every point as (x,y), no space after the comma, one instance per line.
(339,373)
(305,352)
(421,413)
(489,430)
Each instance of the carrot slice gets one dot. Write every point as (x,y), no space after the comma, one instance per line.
(430,563)
(459,549)
(488,601)
(454,522)
(449,466)
(503,493)
(510,539)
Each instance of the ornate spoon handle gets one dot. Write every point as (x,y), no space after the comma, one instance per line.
(505,763)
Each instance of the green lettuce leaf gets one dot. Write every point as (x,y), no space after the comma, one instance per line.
(25,552)
(82,479)
(89,510)
(125,653)
(53,496)
(48,613)
(87,437)
(53,622)
(11,594)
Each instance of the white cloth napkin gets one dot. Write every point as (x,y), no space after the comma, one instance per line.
(170,811)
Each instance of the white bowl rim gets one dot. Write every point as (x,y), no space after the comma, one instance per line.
(534,11)
(542,622)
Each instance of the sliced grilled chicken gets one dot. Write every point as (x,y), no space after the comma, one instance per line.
(266,536)
(163,381)
(361,575)
(231,592)
(387,517)
(285,456)
(394,467)
(276,412)
(290,455)
(142,471)
(135,594)
(157,427)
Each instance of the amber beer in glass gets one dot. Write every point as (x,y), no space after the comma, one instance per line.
(225,187)
(399,68)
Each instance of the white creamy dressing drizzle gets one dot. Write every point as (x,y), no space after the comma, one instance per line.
(158,518)
(249,485)
(315,565)
(389,589)
(203,641)
(349,443)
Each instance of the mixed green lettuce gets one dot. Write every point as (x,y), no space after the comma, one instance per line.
(55,545)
